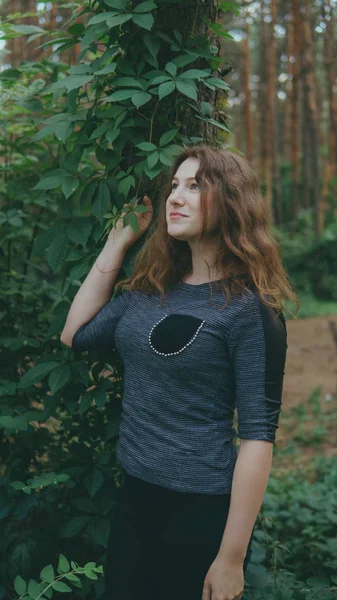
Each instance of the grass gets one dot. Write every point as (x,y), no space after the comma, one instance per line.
(312,307)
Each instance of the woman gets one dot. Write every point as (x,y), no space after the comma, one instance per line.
(185,516)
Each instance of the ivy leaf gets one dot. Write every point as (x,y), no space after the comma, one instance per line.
(127,82)
(167,137)
(152,159)
(101,202)
(119,4)
(69,186)
(147,146)
(72,82)
(144,20)
(93,482)
(152,44)
(47,574)
(74,526)
(187,88)
(20,585)
(64,130)
(34,589)
(194,74)
(79,230)
(165,89)
(144,7)
(102,17)
(118,20)
(141,99)
(121,95)
(36,374)
(63,565)
(171,68)
(60,586)
(59,378)
(57,251)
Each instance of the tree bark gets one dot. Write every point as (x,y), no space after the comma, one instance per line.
(248,123)
(311,111)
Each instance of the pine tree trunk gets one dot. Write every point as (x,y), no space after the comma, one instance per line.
(248,123)
(311,111)
(262,100)
(294,102)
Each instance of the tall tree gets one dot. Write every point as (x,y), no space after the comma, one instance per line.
(245,63)
(311,111)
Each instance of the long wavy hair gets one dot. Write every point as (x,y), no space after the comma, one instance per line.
(247,251)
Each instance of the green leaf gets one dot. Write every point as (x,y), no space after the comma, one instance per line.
(27,29)
(74,526)
(102,17)
(34,589)
(147,146)
(194,74)
(127,82)
(160,79)
(18,485)
(64,130)
(121,95)
(118,20)
(57,251)
(144,20)
(215,123)
(10,74)
(112,134)
(101,202)
(72,577)
(152,159)
(152,44)
(218,83)
(93,482)
(69,186)
(119,4)
(100,397)
(59,378)
(144,7)
(167,137)
(79,230)
(20,585)
(187,88)
(36,374)
(60,586)
(52,179)
(47,574)
(164,159)
(76,29)
(72,82)
(171,68)
(165,89)
(63,565)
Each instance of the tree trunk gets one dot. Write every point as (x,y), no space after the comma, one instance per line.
(311,110)
(262,101)
(294,102)
(248,123)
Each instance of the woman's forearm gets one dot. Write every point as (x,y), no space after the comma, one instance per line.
(249,484)
(95,290)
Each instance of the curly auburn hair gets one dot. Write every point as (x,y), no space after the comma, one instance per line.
(247,250)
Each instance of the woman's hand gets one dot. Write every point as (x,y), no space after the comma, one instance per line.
(125,233)
(223,581)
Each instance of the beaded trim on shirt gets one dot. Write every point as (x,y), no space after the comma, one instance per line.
(181,349)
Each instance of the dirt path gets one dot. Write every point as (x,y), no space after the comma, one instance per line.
(311,363)
(311,359)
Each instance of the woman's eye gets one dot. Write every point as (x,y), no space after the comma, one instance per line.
(196,185)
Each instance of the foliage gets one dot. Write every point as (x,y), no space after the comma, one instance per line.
(78,142)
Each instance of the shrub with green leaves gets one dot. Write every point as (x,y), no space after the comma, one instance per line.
(78,143)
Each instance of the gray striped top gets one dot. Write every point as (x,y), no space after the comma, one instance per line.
(188,366)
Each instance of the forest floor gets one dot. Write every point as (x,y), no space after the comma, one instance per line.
(308,420)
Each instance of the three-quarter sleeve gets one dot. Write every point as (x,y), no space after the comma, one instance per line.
(99,333)
(257,344)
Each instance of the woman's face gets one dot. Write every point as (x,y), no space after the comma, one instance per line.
(185,198)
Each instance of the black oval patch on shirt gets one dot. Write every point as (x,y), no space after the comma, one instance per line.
(174,332)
